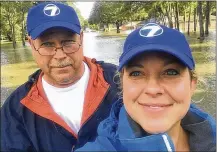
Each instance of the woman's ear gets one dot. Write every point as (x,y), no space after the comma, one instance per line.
(193,85)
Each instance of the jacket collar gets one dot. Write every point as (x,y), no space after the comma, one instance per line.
(200,126)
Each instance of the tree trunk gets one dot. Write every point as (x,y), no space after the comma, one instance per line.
(169,16)
(195,19)
(108,29)
(9,37)
(200,20)
(13,36)
(174,12)
(164,20)
(189,18)
(177,15)
(207,15)
(118,26)
(23,30)
(184,19)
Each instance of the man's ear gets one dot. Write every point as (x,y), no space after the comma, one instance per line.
(81,37)
(30,41)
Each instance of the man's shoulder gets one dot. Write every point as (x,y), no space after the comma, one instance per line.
(107,66)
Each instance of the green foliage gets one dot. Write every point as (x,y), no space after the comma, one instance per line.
(12,16)
(111,12)
(94,26)
(165,12)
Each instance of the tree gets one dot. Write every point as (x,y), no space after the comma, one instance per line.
(200,13)
(22,11)
(116,13)
(189,19)
(13,17)
(207,16)
(9,16)
(166,9)
(195,19)
(177,15)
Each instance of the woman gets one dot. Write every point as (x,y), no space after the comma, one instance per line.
(155,114)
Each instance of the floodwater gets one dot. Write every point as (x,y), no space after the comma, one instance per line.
(109,49)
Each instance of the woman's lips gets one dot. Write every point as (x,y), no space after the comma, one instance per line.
(156,106)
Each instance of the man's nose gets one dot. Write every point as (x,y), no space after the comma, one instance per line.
(60,53)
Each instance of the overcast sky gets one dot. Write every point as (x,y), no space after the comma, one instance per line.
(85,8)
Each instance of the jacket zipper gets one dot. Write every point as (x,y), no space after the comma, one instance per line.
(166,141)
(74,147)
(95,110)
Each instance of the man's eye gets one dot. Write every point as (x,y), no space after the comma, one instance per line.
(68,42)
(135,73)
(47,44)
(171,72)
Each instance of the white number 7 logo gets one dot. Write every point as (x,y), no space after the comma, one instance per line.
(150,30)
(51,10)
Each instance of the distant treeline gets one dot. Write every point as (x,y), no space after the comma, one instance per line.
(164,12)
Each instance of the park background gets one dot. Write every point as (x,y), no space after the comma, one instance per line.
(104,34)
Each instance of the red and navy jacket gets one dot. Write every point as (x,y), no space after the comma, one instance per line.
(28,122)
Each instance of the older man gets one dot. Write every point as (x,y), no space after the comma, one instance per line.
(61,105)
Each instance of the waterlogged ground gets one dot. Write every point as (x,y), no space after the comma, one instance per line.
(17,64)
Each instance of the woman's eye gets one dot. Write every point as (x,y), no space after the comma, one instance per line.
(171,72)
(135,73)
(47,44)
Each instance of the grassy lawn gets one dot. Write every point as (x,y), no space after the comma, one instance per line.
(12,75)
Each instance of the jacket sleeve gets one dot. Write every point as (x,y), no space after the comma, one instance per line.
(14,136)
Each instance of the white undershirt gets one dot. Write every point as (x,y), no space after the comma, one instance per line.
(68,102)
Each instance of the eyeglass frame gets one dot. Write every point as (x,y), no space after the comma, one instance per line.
(56,49)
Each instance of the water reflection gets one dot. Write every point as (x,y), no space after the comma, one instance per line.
(101,48)
(19,55)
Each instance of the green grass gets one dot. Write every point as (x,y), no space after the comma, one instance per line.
(206,69)
(113,33)
(8,42)
(12,75)
(206,44)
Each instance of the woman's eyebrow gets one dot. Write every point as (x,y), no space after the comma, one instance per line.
(138,65)
(170,61)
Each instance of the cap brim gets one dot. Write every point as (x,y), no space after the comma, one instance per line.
(155,47)
(43,27)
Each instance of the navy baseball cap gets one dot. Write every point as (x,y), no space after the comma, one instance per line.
(155,37)
(51,14)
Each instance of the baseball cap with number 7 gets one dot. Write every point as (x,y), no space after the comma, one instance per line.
(51,14)
(155,37)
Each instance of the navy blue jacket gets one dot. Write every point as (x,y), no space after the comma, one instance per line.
(119,133)
(29,124)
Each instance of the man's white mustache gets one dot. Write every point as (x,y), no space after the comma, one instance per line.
(60,65)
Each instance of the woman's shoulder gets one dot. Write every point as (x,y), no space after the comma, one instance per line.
(108,127)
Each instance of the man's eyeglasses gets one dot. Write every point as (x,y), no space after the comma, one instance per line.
(48,48)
